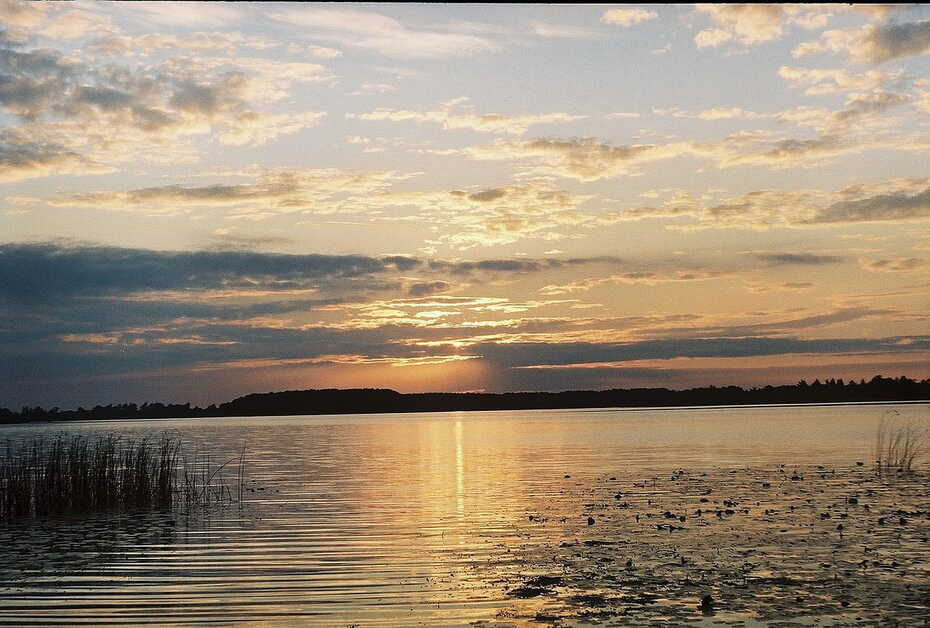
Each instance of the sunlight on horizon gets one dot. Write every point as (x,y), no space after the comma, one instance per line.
(206,200)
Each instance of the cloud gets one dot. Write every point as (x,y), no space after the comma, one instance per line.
(891,41)
(861,110)
(449,119)
(791,153)
(22,159)
(111,113)
(762,208)
(368,30)
(797,259)
(893,200)
(899,265)
(284,191)
(751,24)
(104,312)
(819,81)
(46,272)
(641,277)
(873,44)
(894,207)
(859,106)
(588,159)
(747,23)
(30,80)
(543,29)
(76,23)
(712,38)
(22,14)
(730,113)
(627,17)
(679,270)
(518,266)
(788,286)
(373,88)
(584,159)
(426,288)
(228,239)
(311,50)
(535,354)
(254,129)
(622,115)
(226,43)
(186,14)
(73,273)
(486,217)
(924,101)
(479,217)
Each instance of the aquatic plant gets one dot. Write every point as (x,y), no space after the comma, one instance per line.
(77,474)
(899,444)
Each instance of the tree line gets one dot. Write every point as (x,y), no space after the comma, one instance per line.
(374,400)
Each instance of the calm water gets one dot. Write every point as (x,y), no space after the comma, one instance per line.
(392,519)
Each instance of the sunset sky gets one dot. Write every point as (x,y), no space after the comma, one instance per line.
(199,201)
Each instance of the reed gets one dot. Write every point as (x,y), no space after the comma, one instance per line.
(76,474)
(898,444)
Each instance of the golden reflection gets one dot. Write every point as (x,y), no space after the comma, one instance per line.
(459,470)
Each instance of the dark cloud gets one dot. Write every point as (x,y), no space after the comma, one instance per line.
(606,377)
(488,195)
(501,265)
(426,288)
(865,104)
(798,259)
(106,98)
(401,262)
(30,81)
(904,264)
(21,158)
(47,272)
(168,99)
(280,186)
(77,312)
(208,100)
(151,120)
(25,96)
(532,354)
(516,265)
(880,208)
(792,148)
(891,41)
(167,347)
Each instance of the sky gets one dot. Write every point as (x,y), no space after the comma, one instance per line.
(203,200)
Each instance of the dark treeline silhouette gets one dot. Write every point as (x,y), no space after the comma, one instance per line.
(370,400)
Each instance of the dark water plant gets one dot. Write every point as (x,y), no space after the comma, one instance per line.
(77,474)
(899,444)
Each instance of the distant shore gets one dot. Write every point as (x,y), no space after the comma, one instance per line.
(370,401)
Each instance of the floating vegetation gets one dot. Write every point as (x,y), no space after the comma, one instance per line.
(76,474)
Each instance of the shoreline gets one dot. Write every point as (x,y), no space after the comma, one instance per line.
(381,412)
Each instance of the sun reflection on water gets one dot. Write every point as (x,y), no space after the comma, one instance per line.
(403,519)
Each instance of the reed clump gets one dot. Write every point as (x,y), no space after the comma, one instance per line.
(77,474)
(899,444)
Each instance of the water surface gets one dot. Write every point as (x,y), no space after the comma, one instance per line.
(391,519)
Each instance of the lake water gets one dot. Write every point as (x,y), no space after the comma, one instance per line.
(405,519)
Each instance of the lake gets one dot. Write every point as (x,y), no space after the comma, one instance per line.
(437,518)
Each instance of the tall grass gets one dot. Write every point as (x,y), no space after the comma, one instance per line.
(76,474)
(899,444)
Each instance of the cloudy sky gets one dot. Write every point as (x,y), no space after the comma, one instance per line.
(198,201)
